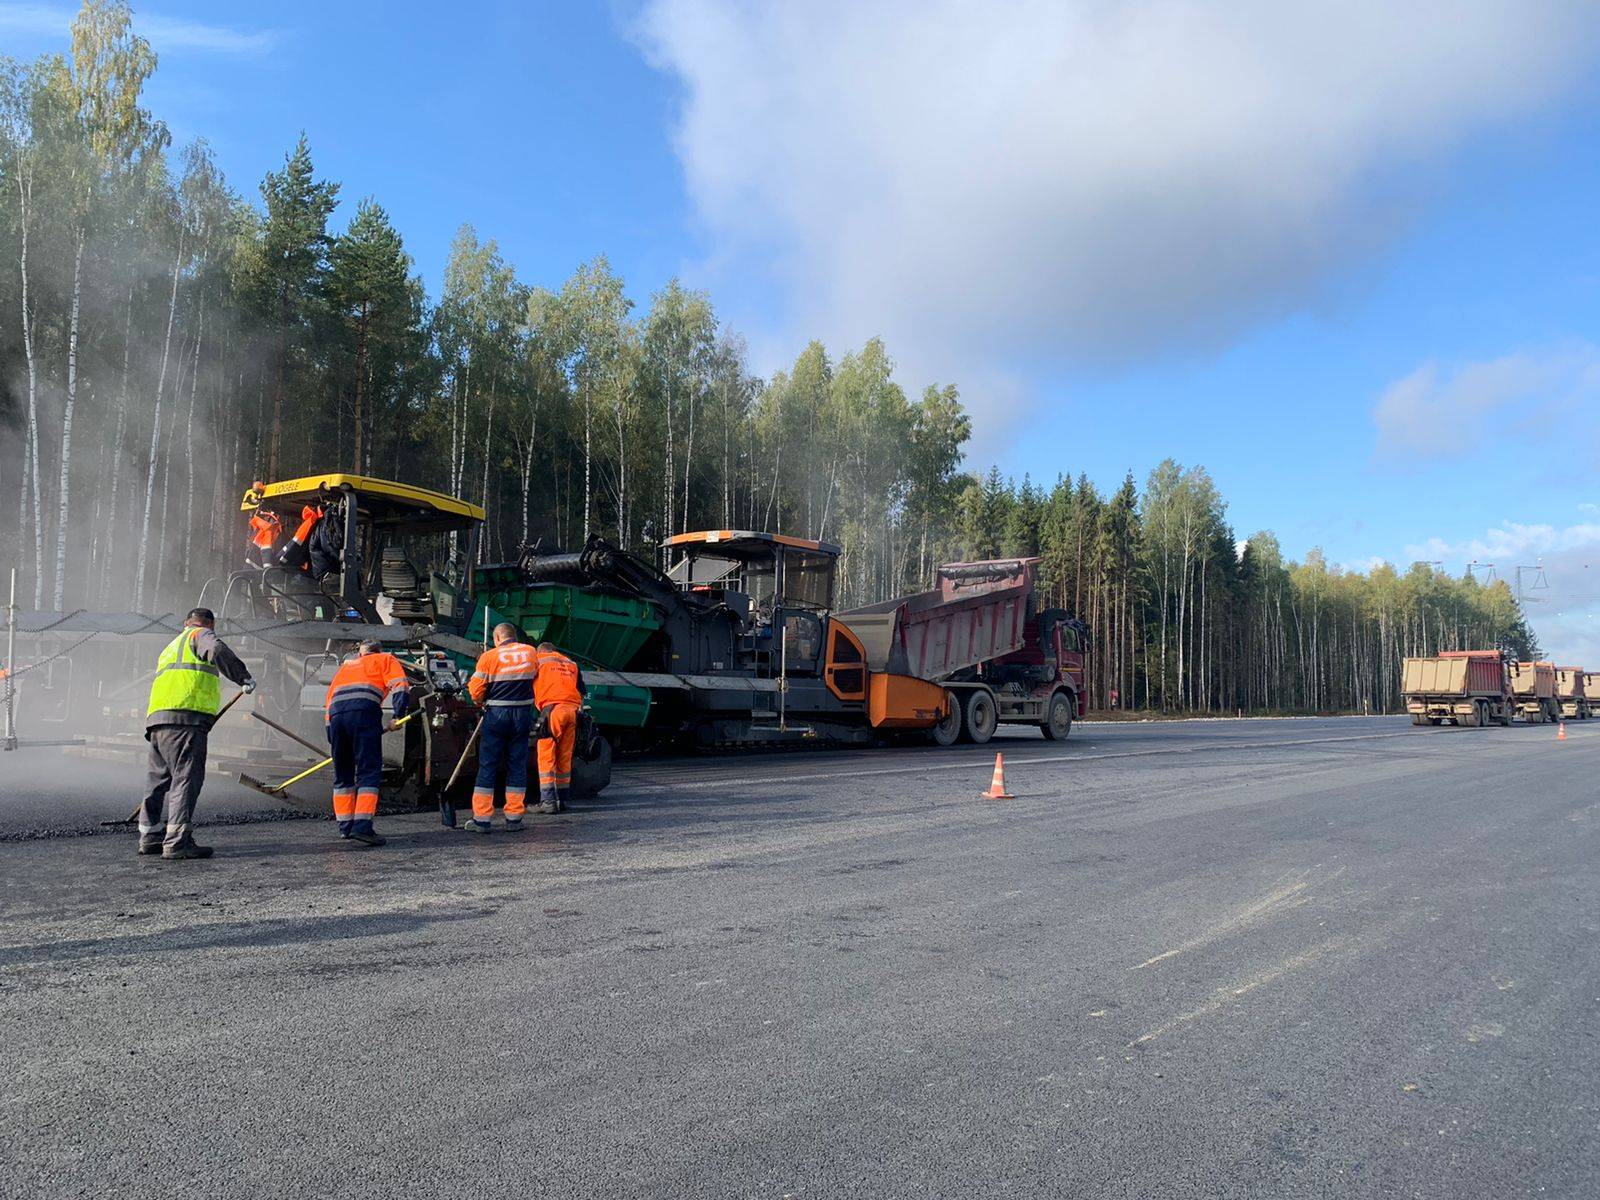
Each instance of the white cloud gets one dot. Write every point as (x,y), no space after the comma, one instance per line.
(1034,182)
(164,33)
(1560,588)
(1533,396)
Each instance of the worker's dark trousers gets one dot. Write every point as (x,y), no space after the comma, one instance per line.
(355,739)
(177,772)
(503,746)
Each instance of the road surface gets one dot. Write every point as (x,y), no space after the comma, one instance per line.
(1235,958)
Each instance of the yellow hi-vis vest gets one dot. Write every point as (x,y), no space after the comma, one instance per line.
(183,681)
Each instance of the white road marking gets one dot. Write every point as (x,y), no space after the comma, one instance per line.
(1226,996)
(1274,902)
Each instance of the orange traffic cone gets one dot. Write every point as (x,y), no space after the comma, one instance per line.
(1561,731)
(997,785)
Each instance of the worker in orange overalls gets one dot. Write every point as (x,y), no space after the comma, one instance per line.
(294,553)
(265,528)
(558,695)
(355,735)
(502,683)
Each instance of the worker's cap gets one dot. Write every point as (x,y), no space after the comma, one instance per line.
(371,646)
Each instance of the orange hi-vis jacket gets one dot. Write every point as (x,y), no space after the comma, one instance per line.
(369,680)
(309,516)
(555,680)
(503,677)
(264,528)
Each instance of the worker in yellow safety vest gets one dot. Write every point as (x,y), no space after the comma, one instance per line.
(185,697)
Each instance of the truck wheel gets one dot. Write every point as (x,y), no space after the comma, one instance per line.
(1468,720)
(948,731)
(1057,721)
(1419,718)
(981,718)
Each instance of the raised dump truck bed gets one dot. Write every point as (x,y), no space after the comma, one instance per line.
(1533,690)
(978,612)
(1469,687)
(980,635)
(1571,693)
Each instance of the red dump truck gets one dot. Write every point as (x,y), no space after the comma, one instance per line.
(1571,693)
(1468,687)
(1533,688)
(981,636)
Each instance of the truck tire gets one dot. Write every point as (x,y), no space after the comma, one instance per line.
(1419,719)
(1468,720)
(979,718)
(1057,723)
(948,730)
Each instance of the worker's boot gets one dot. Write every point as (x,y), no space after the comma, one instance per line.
(562,796)
(188,848)
(474,825)
(513,824)
(547,801)
(366,835)
(150,843)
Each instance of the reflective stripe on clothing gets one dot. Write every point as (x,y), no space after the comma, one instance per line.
(555,752)
(555,680)
(264,529)
(503,677)
(184,681)
(502,758)
(365,681)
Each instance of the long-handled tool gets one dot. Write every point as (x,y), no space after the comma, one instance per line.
(133,817)
(276,789)
(447,810)
(288,733)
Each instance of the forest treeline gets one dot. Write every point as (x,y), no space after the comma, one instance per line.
(166,339)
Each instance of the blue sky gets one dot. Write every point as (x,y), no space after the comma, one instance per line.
(1346,263)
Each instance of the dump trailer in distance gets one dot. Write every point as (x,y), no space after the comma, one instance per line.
(1468,687)
(1591,690)
(1533,689)
(1572,693)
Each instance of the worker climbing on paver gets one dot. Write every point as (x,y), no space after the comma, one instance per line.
(266,528)
(502,683)
(558,695)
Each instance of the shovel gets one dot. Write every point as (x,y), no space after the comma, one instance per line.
(447,810)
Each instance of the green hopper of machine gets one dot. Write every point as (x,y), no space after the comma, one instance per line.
(596,627)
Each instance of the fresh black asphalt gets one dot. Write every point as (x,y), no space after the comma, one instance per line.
(1336,957)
